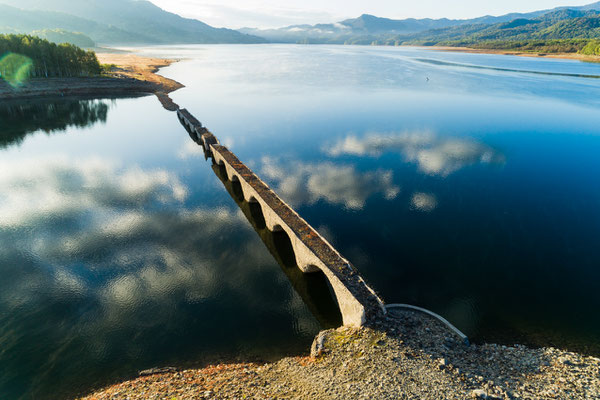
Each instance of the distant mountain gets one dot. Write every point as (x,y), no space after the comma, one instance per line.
(364,25)
(557,25)
(368,28)
(62,36)
(14,20)
(370,24)
(114,22)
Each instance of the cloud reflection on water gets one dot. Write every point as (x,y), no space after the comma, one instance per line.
(424,202)
(114,219)
(434,155)
(36,189)
(307,183)
(99,253)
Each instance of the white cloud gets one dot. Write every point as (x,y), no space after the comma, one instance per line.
(305,183)
(110,210)
(451,155)
(33,189)
(424,202)
(434,155)
(377,144)
(190,150)
(89,232)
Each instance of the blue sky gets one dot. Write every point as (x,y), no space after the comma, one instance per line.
(277,13)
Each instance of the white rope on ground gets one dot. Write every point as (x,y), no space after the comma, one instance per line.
(434,315)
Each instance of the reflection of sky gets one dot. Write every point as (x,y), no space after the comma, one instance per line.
(491,164)
(303,183)
(113,260)
(434,155)
(38,189)
(423,202)
(283,70)
(63,211)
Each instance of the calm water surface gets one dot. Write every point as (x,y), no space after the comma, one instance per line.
(464,183)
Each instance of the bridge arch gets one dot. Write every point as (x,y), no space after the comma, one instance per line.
(237,187)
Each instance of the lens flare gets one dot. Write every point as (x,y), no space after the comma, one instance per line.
(15,69)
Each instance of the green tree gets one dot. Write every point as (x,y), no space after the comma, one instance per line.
(46,59)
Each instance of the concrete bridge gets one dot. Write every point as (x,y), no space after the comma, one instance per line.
(314,289)
(358,303)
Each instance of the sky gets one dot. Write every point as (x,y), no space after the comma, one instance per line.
(278,13)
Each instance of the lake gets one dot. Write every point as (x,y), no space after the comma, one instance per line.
(467,184)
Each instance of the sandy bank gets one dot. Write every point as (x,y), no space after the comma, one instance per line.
(565,56)
(142,69)
(411,357)
(133,75)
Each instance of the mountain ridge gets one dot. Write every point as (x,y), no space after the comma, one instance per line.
(120,22)
(370,25)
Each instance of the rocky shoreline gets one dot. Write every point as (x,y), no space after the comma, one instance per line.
(409,356)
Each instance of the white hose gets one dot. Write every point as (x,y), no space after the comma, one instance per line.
(434,315)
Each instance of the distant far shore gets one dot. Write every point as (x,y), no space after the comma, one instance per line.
(130,75)
(564,56)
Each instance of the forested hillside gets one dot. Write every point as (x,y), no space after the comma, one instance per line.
(369,29)
(15,20)
(560,25)
(561,31)
(25,56)
(114,22)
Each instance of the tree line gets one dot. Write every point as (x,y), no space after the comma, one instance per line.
(32,57)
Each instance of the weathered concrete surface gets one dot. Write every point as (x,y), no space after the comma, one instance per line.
(358,303)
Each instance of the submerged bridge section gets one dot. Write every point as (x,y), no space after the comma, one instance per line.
(358,303)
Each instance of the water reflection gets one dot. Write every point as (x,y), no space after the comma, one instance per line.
(424,202)
(57,188)
(301,183)
(107,261)
(20,118)
(433,154)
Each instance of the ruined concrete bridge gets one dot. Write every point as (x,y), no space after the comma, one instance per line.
(358,303)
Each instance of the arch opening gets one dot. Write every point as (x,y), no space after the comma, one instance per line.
(283,247)
(256,213)
(236,187)
(220,170)
(320,290)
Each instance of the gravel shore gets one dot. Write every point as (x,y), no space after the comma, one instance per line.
(410,356)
